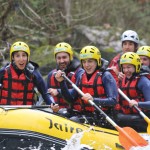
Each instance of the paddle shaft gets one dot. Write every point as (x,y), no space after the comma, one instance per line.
(24,106)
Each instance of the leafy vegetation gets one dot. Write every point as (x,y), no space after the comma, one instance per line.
(44,23)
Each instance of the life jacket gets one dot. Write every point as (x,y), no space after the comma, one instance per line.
(130,89)
(56,85)
(16,90)
(94,86)
(148,76)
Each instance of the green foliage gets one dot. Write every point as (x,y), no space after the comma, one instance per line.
(34,17)
(47,21)
(45,51)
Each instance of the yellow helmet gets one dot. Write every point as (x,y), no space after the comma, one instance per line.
(131,58)
(19,46)
(91,52)
(63,47)
(144,51)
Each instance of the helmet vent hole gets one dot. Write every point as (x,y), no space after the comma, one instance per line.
(132,54)
(25,45)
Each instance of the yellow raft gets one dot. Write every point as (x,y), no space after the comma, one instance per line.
(38,127)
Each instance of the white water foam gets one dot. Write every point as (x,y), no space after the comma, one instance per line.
(141,148)
(147,138)
(74,142)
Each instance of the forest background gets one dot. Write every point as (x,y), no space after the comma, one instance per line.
(44,23)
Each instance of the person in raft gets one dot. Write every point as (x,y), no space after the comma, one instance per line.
(136,87)
(19,77)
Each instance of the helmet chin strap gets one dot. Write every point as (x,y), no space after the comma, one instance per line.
(14,65)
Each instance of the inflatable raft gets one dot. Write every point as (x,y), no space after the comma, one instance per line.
(39,128)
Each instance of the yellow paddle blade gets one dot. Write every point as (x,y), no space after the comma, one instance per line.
(148,121)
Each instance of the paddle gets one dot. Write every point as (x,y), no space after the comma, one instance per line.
(128,137)
(140,112)
(23,106)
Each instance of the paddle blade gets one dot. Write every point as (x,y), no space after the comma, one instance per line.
(128,137)
(148,127)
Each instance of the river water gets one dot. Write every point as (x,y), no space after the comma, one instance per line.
(74,144)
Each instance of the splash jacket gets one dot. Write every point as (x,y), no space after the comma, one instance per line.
(18,89)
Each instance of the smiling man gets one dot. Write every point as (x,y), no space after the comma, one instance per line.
(69,64)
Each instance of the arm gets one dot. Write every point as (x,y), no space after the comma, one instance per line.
(40,84)
(78,73)
(110,87)
(48,79)
(2,71)
(71,95)
(144,87)
(58,91)
(68,94)
(53,91)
